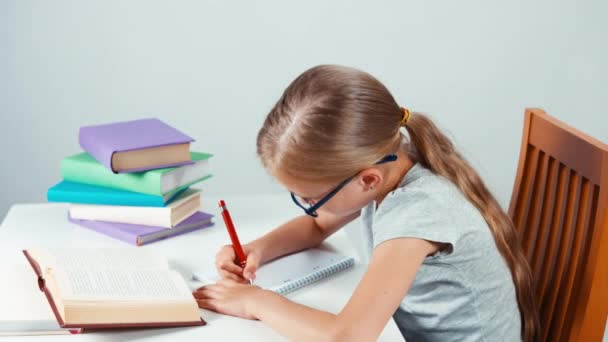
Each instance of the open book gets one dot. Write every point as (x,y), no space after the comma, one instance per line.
(291,272)
(113,288)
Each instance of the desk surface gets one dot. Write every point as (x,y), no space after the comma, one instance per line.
(46,225)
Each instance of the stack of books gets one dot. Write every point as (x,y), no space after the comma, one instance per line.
(133,181)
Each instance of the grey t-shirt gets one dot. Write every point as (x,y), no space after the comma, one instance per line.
(462,293)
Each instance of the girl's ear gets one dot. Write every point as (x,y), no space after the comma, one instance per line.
(370,179)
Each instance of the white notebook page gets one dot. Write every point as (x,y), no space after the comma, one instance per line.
(290,272)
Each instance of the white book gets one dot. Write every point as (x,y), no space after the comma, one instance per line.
(185,175)
(291,272)
(169,216)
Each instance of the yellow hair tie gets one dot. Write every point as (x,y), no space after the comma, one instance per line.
(406,116)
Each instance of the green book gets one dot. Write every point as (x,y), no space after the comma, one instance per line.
(82,168)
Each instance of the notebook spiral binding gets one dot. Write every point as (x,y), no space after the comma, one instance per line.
(318,275)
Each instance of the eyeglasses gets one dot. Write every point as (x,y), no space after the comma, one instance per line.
(311,208)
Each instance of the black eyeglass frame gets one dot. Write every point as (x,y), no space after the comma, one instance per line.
(312,210)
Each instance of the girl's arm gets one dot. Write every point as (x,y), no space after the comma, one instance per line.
(300,233)
(390,273)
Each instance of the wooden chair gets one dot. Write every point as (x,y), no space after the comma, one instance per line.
(558,207)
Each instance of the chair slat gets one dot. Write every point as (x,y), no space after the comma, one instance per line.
(580,330)
(540,248)
(538,199)
(564,250)
(576,255)
(528,181)
(555,232)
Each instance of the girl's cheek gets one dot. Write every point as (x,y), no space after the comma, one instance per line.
(344,205)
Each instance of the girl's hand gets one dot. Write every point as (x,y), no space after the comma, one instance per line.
(228,268)
(229,297)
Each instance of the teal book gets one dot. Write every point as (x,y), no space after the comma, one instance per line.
(83,168)
(71,192)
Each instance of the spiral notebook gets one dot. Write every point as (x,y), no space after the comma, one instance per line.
(291,272)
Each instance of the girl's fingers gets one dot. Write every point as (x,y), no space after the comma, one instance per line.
(253,260)
(230,267)
(231,276)
(224,253)
(207,291)
(225,264)
(208,304)
(229,283)
(200,293)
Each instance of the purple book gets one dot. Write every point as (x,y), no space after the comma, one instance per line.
(140,235)
(104,141)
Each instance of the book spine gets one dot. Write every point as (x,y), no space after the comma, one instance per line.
(108,230)
(95,148)
(93,173)
(105,198)
(147,216)
(144,240)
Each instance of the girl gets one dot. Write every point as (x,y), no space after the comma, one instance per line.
(444,259)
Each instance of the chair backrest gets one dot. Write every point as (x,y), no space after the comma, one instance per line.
(558,207)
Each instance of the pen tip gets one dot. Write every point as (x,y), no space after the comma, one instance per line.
(222,203)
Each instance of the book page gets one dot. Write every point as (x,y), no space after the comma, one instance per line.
(112,273)
(113,284)
(109,258)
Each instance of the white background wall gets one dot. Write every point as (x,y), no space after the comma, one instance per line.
(214,68)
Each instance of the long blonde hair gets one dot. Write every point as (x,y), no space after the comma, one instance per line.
(333,121)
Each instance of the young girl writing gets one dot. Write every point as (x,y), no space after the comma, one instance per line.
(444,259)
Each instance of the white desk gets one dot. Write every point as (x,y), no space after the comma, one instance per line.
(46,225)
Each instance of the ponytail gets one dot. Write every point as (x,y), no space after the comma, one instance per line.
(436,152)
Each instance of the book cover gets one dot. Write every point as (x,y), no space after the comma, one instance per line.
(72,192)
(102,141)
(83,168)
(139,234)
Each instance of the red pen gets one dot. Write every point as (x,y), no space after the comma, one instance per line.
(236,244)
